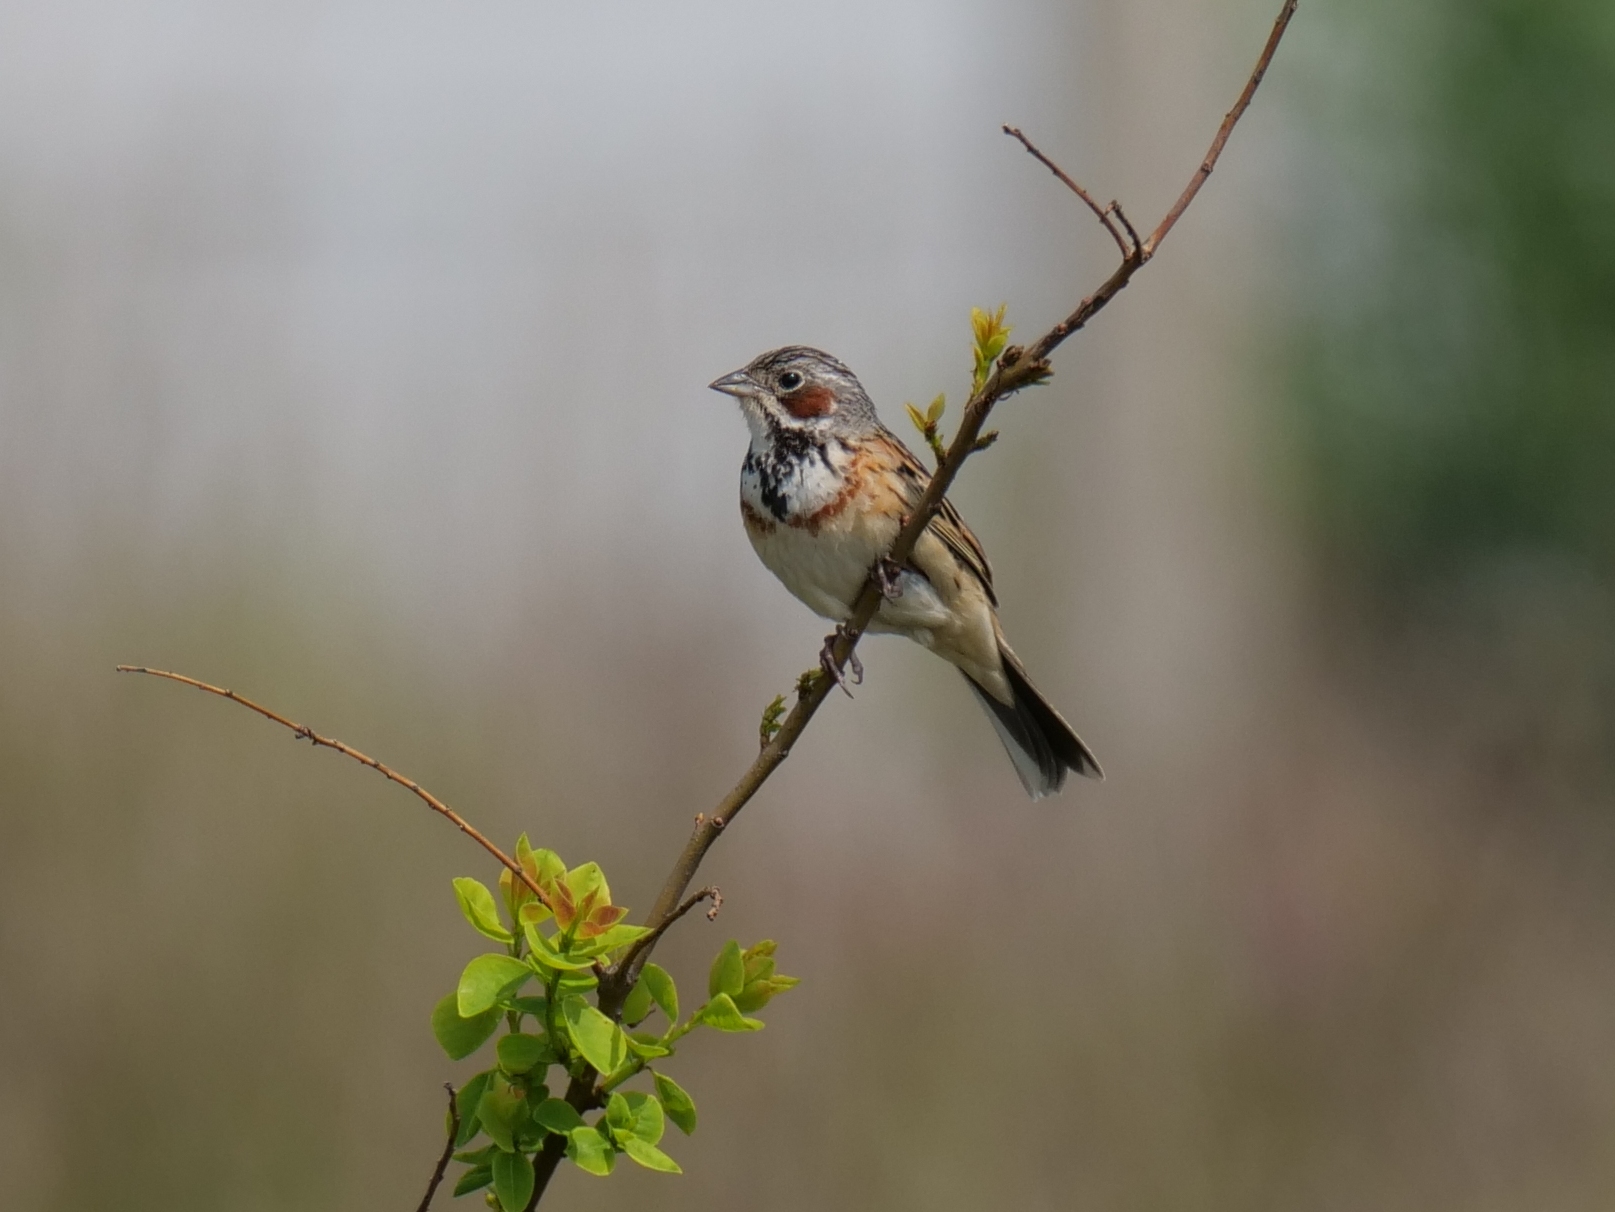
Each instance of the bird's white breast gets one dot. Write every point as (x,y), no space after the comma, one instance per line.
(815,530)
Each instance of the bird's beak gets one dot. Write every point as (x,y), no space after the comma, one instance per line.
(737,384)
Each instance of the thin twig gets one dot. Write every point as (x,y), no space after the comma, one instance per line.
(1103,212)
(1227,128)
(1016,369)
(448,1151)
(308,734)
(1116,209)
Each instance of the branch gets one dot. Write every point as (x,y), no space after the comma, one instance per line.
(1230,119)
(1018,368)
(448,1151)
(1103,212)
(308,734)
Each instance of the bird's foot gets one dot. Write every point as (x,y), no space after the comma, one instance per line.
(888,577)
(827,662)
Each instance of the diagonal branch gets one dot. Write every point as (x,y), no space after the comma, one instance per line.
(1018,368)
(1230,119)
(308,734)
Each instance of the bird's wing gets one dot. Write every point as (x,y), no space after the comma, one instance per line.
(946,525)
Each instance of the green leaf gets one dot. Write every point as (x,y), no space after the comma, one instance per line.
(558,1116)
(588,878)
(519,1053)
(478,1157)
(679,1106)
(611,938)
(477,903)
(513,1180)
(662,990)
(474,1179)
(758,994)
(536,1006)
(545,952)
(591,1151)
(460,1037)
(502,1111)
(650,1156)
(934,413)
(636,1007)
(728,973)
(618,1117)
(648,1045)
(600,1040)
(722,1014)
(486,979)
(916,417)
(466,1103)
(579,984)
(648,1121)
(768,727)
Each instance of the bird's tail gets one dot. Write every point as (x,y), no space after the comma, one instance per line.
(1040,743)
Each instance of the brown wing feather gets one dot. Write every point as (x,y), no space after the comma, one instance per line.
(947,525)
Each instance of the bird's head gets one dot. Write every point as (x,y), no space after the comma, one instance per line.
(800,389)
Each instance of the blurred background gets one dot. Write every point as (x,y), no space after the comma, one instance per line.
(354,356)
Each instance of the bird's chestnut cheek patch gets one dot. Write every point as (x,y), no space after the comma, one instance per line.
(808,402)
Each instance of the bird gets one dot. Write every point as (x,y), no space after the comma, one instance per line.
(824,490)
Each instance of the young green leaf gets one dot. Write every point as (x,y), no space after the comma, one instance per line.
(466,1102)
(458,1036)
(513,1180)
(601,919)
(578,983)
(588,879)
(486,979)
(650,1156)
(519,1053)
(609,939)
(477,903)
(478,1157)
(728,973)
(619,1119)
(768,729)
(991,334)
(591,1151)
(474,1179)
(536,1006)
(637,1006)
(598,1039)
(503,1112)
(662,990)
(545,952)
(758,994)
(558,1116)
(647,1121)
(679,1106)
(648,1045)
(721,1013)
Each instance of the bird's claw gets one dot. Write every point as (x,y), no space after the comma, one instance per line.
(827,662)
(887,577)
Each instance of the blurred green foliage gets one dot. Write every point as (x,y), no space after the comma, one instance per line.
(1454,351)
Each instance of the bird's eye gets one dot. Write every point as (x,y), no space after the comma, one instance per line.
(790,380)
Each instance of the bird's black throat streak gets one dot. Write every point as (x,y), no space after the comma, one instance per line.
(789,453)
